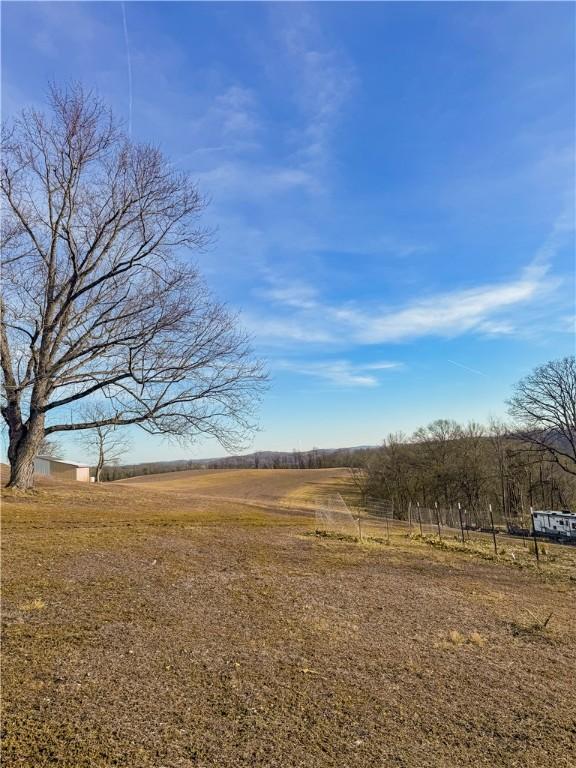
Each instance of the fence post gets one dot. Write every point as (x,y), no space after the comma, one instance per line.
(419,517)
(523,524)
(493,529)
(438,520)
(461,523)
(388,530)
(536,552)
(410,518)
(359,527)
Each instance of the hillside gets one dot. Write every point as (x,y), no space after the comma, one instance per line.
(316,458)
(249,484)
(148,623)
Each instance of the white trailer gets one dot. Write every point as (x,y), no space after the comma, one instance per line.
(555,524)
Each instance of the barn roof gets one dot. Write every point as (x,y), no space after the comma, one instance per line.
(61,461)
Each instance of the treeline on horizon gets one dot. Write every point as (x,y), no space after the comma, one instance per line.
(443,463)
(317,458)
(446,464)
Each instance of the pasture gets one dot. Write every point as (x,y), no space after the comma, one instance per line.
(195,620)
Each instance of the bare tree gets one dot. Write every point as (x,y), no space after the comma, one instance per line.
(437,457)
(105,443)
(470,461)
(99,298)
(544,408)
(499,442)
(360,479)
(50,448)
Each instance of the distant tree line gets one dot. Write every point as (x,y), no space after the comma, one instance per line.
(317,458)
(443,462)
(447,463)
(530,462)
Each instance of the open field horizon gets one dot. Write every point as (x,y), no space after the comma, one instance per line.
(244,483)
(196,620)
(329,247)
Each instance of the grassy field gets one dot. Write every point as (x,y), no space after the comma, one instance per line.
(194,620)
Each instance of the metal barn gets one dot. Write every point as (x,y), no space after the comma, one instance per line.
(555,524)
(48,466)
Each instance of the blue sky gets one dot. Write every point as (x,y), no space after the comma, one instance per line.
(391,184)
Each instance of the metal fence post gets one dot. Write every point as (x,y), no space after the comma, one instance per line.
(493,529)
(536,552)
(461,523)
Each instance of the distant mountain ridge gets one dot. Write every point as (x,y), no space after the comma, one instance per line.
(316,458)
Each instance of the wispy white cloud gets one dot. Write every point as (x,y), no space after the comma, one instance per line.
(562,228)
(230,124)
(291,294)
(324,80)
(281,331)
(235,179)
(449,314)
(341,373)
(485,309)
(240,152)
(80,31)
(236,111)
(396,246)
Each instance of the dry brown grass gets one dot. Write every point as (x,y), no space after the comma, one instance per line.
(179,631)
(269,483)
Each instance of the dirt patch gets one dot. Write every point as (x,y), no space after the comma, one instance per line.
(149,628)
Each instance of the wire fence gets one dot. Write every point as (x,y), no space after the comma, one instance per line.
(479,528)
(332,515)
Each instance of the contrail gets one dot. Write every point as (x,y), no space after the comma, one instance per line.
(129,59)
(472,370)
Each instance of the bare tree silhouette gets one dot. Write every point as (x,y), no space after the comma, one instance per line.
(100,302)
(544,407)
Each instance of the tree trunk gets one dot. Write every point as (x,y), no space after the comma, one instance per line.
(24,446)
(100,464)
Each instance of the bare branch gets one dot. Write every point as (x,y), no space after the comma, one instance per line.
(101,302)
(544,408)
